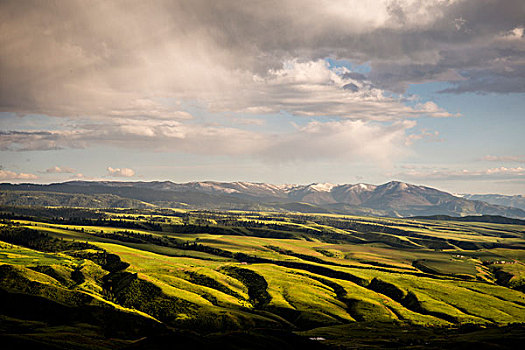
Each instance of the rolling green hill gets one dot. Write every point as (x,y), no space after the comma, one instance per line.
(36,198)
(136,277)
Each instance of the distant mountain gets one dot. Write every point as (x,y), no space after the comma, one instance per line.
(396,199)
(498,199)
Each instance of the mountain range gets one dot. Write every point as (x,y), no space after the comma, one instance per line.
(396,199)
(517,201)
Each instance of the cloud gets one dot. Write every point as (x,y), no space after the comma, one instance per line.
(137,60)
(120,172)
(433,110)
(41,140)
(333,139)
(249,121)
(160,75)
(155,135)
(340,140)
(510,159)
(424,134)
(313,88)
(464,174)
(80,176)
(60,170)
(11,175)
(503,170)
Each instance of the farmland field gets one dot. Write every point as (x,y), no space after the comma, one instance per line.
(138,278)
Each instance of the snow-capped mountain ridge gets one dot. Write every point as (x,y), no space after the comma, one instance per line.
(322,187)
(516,201)
(393,198)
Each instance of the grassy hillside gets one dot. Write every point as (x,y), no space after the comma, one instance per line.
(135,278)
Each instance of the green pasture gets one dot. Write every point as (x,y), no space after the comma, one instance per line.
(315,270)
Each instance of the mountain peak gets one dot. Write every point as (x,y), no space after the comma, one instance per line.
(394,198)
(396,184)
(322,187)
(364,187)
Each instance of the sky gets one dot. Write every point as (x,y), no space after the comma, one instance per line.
(291,91)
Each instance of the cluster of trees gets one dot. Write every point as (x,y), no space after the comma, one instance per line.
(10,212)
(33,239)
(109,262)
(107,222)
(257,285)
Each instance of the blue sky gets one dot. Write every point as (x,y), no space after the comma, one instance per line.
(310,91)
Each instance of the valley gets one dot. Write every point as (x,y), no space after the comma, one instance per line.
(130,277)
(262,175)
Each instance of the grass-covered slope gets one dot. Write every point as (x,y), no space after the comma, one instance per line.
(128,274)
(38,198)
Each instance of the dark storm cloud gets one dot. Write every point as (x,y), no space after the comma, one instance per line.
(122,73)
(90,57)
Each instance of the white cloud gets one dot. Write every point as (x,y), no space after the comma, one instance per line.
(464,174)
(459,23)
(341,140)
(431,109)
(514,34)
(503,170)
(60,170)
(334,139)
(510,159)
(424,134)
(313,88)
(120,172)
(11,175)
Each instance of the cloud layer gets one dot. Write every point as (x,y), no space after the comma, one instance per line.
(124,58)
(294,80)
(332,139)
(508,159)
(464,174)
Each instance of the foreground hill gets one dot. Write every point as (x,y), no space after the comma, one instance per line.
(152,278)
(395,199)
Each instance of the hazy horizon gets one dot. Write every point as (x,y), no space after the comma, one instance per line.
(429,93)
